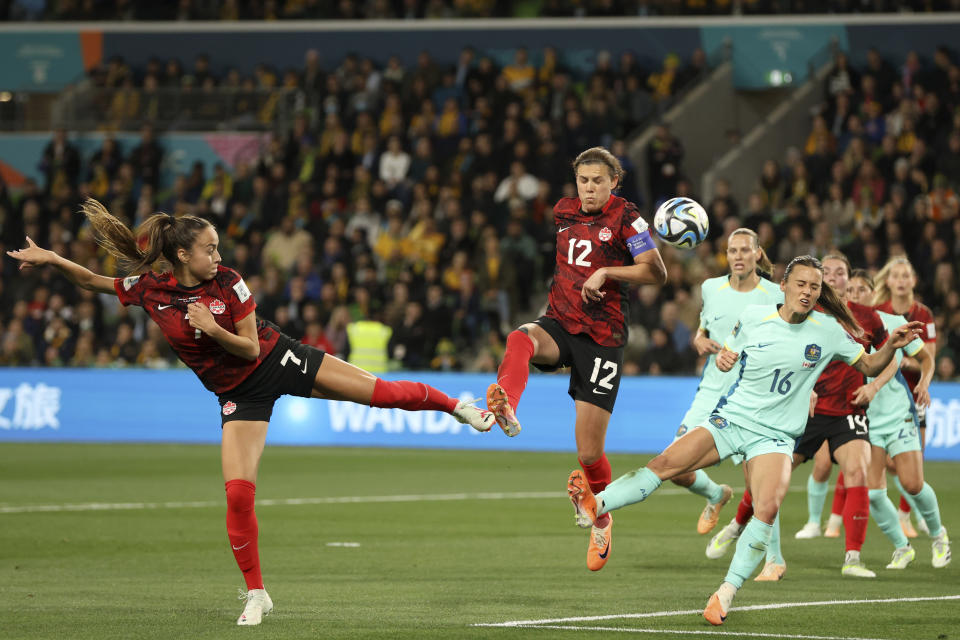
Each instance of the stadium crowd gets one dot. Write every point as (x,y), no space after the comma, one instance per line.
(421,199)
(431,9)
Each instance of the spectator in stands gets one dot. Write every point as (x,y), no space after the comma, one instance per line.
(60,163)
(664,154)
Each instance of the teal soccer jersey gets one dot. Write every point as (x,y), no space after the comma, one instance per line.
(722,305)
(893,404)
(778,367)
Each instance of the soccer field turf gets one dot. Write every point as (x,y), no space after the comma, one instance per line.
(130,542)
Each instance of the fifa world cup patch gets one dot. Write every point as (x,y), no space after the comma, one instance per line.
(605,234)
(229,407)
(129,281)
(682,430)
(718,422)
(243,293)
(217,307)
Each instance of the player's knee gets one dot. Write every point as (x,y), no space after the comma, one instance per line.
(911,484)
(520,337)
(765,510)
(240,496)
(855,476)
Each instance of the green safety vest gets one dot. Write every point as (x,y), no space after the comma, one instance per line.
(368,345)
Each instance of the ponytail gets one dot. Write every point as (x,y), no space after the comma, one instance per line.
(829,300)
(764,266)
(160,236)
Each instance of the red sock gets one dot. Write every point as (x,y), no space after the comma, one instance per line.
(412,396)
(515,368)
(856,514)
(839,496)
(599,475)
(242,530)
(904,505)
(745,509)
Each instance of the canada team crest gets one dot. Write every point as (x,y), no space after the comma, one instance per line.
(217,307)
(229,407)
(812,352)
(605,234)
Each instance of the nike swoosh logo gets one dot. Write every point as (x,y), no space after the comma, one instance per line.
(241,546)
(161,307)
(606,550)
(600,393)
(304,366)
(763,345)
(562,229)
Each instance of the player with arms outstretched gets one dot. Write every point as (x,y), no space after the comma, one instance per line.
(781,350)
(724,298)
(602,244)
(206,313)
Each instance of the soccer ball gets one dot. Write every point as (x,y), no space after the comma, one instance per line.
(681,222)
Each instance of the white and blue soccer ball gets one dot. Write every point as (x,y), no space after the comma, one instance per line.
(681,222)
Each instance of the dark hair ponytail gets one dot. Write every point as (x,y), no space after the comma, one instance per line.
(160,236)
(829,300)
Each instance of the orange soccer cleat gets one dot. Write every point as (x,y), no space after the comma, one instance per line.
(714,613)
(499,405)
(584,503)
(601,542)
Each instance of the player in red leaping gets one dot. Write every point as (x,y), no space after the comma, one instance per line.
(207,315)
(602,245)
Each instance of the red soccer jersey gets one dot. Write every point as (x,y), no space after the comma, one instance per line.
(839,381)
(586,242)
(226,295)
(918,312)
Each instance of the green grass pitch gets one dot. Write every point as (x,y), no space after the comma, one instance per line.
(429,564)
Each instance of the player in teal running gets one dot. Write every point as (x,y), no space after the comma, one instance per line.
(724,298)
(893,430)
(782,350)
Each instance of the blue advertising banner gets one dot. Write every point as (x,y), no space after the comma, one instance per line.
(136,405)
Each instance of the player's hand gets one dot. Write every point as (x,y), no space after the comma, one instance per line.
(813,403)
(922,394)
(864,395)
(904,334)
(32,255)
(590,292)
(704,345)
(726,359)
(199,317)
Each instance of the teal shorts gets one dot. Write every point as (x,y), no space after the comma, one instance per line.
(896,436)
(733,440)
(698,413)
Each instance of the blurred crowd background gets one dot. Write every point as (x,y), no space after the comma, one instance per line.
(416,201)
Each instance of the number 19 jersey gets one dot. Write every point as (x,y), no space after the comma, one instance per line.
(779,364)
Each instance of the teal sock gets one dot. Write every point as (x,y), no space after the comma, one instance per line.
(885,515)
(773,546)
(816,495)
(751,548)
(629,488)
(926,502)
(909,498)
(704,486)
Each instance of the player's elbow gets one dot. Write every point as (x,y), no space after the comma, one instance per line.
(253,352)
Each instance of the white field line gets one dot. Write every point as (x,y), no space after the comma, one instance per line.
(281,502)
(686,612)
(694,632)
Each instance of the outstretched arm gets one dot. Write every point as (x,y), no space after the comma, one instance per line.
(34,256)
(873,364)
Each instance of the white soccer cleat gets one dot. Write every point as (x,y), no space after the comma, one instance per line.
(808,531)
(722,541)
(902,557)
(853,566)
(479,419)
(941,549)
(258,605)
(921,526)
